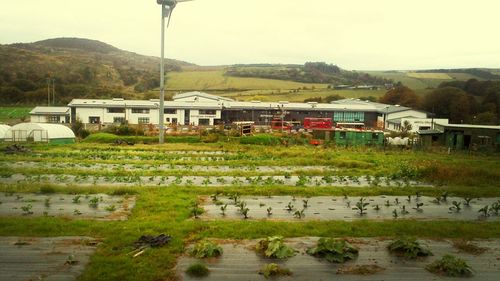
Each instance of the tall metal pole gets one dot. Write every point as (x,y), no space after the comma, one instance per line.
(162,75)
(48,91)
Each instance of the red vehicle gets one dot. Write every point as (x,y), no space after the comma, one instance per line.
(278,124)
(318,123)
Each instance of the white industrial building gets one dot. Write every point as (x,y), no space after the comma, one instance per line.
(50,114)
(201,109)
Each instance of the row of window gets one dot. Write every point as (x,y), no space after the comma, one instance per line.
(166,111)
(348,116)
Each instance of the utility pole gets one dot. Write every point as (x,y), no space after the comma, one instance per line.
(53,91)
(48,91)
(164,14)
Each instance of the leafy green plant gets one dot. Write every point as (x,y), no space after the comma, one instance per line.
(376,207)
(403,210)
(273,247)
(409,248)
(467,201)
(289,207)
(361,206)
(495,208)
(205,249)
(306,203)
(334,250)
(444,196)
(196,211)
(197,270)
(244,212)
(272,269)
(395,213)
(450,265)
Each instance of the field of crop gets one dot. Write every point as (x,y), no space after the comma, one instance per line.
(437,76)
(232,193)
(215,80)
(300,96)
(8,114)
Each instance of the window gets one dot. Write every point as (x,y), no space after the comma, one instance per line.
(343,135)
(119,120)
(348,116)
(170,111)
(209,112)
(140,110)
(204,122)
(53,119)
(174,120)
(116,110)
(167,120)
(374,136)
(143,120)
(94,120)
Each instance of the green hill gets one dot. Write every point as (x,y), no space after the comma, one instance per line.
(80,68)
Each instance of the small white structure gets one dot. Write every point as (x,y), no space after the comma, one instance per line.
(417,124)
(50,114)
(3,131)
(40,132)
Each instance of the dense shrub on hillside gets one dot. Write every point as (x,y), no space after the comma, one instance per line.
(124,130)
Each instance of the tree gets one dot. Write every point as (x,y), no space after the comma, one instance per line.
(450,102)
(486,118)
(401,95)
(11,95)
(24,85)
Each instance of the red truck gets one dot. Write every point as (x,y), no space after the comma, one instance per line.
(318,123)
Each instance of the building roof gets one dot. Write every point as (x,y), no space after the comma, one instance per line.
(200,94)
(429,132)
(45,110)
(469,126)
(381,107)
(54,131)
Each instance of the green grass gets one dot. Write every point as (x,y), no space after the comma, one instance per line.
(287,95)
(8,114)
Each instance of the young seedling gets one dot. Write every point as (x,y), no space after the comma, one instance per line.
(269,211)
(404,211)
(419,207)
(47,202)
(244,212)
(418,194)
(387,203)
(451,266)
(223,209)
(409,248)
(396,201)
(77,212)
(205,249)
(94,202)
(299,214)
(395,213)
(289,207)
(484,211)
(306,203)
(27,210)
(437,200)
(456,206)
(110,208)
(467,201)
(273,247)
(376,208)
(334,250)
(214,197)
(409,199)
(274,270)
(444,196)
(361,206)
(196,210)
(495,208)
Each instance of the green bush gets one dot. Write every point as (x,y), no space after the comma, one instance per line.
(272,269)
(206,249)
(260,140)
(334,250)
(450,266)
(197,270)
(408,247)
(273,247)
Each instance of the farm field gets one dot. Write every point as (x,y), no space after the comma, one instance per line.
(8,114)
(179,189)
(269,95)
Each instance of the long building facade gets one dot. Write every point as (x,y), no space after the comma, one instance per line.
(201,109)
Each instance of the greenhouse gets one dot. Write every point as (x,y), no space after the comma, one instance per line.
(3,131)
(40,132)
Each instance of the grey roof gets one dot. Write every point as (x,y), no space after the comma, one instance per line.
(469,126)
(43,110)
(429,132)
(200,94)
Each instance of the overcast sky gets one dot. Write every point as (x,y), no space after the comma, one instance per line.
(354,34)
